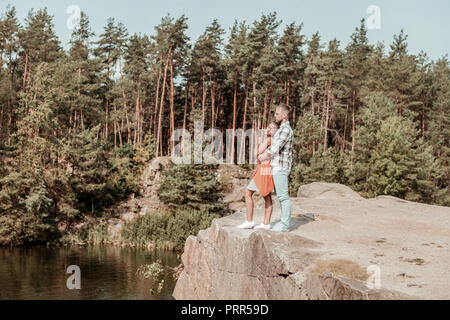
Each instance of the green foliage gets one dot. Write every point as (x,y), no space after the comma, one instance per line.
(98,234)
(154,272)
(167,230)
(192,194)
(78,125)
(377,109)
(310,162)
(389,158)
(400,167)
(192,187)
(98,176)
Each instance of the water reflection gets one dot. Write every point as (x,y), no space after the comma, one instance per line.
(106,273)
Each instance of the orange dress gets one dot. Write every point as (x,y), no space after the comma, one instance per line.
(263,178)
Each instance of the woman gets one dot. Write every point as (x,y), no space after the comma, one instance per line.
(262,182)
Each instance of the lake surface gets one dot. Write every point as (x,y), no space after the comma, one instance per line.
(107,272)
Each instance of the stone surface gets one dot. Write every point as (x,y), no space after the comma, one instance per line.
(407,241)
(150,183)
(321,190)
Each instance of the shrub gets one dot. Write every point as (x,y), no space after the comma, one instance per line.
(167,230)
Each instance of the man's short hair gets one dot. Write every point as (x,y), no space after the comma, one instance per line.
(285,107)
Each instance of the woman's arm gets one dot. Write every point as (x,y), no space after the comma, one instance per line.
(263,146)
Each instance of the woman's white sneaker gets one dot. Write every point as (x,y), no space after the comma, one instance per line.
(246,225)
(263,226)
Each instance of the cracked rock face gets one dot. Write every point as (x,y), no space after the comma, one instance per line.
(224,262)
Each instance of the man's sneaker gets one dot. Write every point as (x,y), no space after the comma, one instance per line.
(263,226)
(246,225)
(279,227)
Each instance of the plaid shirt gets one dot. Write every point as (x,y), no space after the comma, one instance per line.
(281,148)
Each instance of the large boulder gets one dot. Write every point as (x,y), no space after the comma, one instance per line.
(330,191)
(336,240)
(224,262)
(151,177)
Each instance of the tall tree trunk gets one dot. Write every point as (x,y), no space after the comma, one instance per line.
(25,71)
(172,115)
(184,117)
(345,129)
(115,125)
(244,123)
(156,104)
(136,125)
(108,75)
(125,109)
(203,99)
(264,123)
(325,140)
(234,119)
(254,92)
(353,130)
(423,120)
(270,107)
(213,99)
(219,108)
(288,91)
(161,108)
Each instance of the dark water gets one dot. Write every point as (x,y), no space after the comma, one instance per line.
(107,272)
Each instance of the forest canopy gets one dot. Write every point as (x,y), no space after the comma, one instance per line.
(76,125)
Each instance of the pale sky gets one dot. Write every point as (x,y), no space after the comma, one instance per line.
(427,23)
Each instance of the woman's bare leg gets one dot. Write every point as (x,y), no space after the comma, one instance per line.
(249,204)
(268,209)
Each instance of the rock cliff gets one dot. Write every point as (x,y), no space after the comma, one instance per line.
(335,236)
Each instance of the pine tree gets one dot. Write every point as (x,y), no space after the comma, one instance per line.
(30,191)
(237,62)
(110,50)
(310,74)
(403,79)
(84,106)
(377,108)
(402,167)
(9,48)
(136,68)
(39,42)
(261,35)
(292,64)
(172,45)
(356,67)
(438,133)
(191,187)
(307,137)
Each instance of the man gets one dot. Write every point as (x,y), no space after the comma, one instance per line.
(280,155)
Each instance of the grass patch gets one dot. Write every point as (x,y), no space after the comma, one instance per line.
(417,261)
(342,267)
(167,230)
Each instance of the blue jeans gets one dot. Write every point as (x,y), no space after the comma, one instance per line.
(280,180)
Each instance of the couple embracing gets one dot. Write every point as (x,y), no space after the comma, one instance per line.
(274,162)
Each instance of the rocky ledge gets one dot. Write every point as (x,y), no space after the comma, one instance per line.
(335,236)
